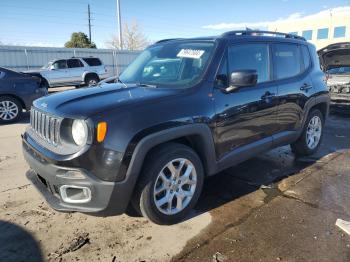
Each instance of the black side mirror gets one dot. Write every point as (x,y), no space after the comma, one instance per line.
(242,78)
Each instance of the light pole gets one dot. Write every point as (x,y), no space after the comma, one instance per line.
(119,25)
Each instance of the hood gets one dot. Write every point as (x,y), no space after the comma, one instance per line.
(33,71)
(335,55)
(85,102)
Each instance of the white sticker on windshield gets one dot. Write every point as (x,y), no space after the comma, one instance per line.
(190,53)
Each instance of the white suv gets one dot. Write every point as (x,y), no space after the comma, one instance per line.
(75,71)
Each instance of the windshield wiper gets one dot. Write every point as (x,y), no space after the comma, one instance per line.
(120,81)
(146,85)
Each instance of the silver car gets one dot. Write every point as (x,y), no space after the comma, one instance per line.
(75,71)
(335,62)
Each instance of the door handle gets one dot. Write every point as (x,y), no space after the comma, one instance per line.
(267,95)
(305,86)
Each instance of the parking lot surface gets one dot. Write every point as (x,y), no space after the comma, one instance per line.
(273,207)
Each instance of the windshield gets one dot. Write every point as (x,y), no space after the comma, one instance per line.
(339,71)
(47,66)
(171,64)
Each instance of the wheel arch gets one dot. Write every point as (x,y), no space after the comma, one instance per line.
(323,107)
(186,134)
(87,74)
(196,136)
(16,97)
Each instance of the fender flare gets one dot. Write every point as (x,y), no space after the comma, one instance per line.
(202,131)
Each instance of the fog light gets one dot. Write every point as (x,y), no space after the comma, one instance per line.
(75,194)
(72,174)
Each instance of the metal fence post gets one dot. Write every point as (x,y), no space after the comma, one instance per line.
(25,52)
(116,63)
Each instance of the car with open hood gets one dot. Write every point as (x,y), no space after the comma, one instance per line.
(17,93)
(335,61)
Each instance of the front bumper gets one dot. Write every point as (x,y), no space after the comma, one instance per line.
(340,102)
(107,198)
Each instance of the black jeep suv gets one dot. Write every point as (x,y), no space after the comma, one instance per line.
(185,109)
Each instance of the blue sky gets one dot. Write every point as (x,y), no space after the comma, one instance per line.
(50,22)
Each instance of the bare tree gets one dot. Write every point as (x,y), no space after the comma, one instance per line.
(133,38)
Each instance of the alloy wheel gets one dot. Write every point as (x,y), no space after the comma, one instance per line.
(92,82)
(8,110)
(314,132)
(175,186)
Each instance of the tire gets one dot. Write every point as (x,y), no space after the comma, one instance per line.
(181,158)
(301,147)
(10,109)
(91,80)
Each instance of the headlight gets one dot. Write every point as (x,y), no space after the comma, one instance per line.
(79,132)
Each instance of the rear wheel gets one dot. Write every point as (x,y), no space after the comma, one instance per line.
(170,184)
(311,137)
(10,109)
(91,80)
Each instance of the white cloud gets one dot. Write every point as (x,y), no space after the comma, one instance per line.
(264,24)
(36,44)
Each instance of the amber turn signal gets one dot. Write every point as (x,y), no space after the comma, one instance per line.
(101,131)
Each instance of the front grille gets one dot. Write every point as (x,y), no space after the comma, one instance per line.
(45,126)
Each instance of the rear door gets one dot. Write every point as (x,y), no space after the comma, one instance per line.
(248,115)
(76,70)
(291,68)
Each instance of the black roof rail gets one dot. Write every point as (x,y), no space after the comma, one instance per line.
(169,39)
(262,33)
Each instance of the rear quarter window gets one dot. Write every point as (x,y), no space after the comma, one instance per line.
(287,60)
(306,57)
(93,61)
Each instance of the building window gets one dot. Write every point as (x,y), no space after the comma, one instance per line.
(322,33)
(293,33)
(339,31)
(307,34)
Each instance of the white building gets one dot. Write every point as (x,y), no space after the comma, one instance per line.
(321,29)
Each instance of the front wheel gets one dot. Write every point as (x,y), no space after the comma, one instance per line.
(311,137)
(170,185)
(10,110)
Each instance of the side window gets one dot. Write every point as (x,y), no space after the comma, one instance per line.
(286,59)
(93,61)
(306,57)
(2,74)
(60,64)
(250,56)
(73,63)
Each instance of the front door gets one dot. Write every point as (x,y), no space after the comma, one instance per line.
(249,114)
(58,74)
